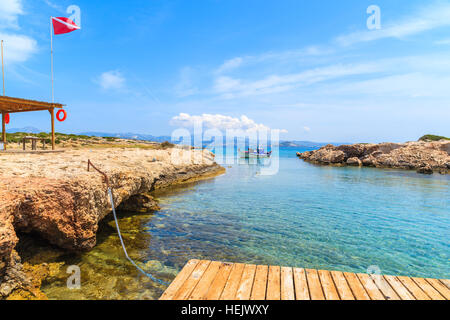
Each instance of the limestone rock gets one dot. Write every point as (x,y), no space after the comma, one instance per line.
(421,155)
(143,203)
(328,156)
(426,169)
(54,196)
(354,162)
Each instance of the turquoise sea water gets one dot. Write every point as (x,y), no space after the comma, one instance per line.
(334,218)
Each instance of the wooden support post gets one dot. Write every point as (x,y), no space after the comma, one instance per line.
(4,130)
(52,114)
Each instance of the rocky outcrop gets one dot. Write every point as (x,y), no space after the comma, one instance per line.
(425,169)
(328,155)
(143,203)
(54,196)
(425,157)
(354,161)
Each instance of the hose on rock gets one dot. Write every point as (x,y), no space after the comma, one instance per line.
(148,275)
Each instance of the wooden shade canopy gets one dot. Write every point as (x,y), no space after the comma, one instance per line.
(15,105)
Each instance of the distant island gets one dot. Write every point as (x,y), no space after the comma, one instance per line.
(307,144)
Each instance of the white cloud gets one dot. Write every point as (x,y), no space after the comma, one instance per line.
(432,17)
(17,48)
(54,6)
(9,12)
(218,121)
(111,80)
(307,129)
(226,84)
(408,85)
(230,64)
(231,87)
(287,56)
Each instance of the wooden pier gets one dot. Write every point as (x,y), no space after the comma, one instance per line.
(213,280)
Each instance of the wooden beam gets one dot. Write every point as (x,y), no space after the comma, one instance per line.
(16,110)
(31,102)
(4,130)
(52,114)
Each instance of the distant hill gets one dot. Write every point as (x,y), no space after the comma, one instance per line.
(24,129)
(129,135)
(149,137)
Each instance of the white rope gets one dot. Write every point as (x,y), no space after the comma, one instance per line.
(125,250)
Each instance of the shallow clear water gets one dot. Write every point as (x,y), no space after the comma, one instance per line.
(335,218)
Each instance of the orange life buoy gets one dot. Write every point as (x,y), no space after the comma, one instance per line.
(7,118)
(58,115)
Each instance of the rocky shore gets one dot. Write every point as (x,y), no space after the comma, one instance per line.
(52,195)
(423,156)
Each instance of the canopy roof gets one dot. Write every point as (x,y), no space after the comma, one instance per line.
(12,105)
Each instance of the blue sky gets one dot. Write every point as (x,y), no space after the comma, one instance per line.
(310,68)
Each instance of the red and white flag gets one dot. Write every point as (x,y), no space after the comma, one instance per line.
(63,25)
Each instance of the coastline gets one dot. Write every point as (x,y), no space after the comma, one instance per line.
(423,156)
(54,197)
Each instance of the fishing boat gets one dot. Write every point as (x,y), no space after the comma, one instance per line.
(252,153)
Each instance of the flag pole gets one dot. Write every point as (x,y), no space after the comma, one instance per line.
(3,72)
(51,48)
(3,114)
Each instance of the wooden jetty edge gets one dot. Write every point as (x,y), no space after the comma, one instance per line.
(213,280)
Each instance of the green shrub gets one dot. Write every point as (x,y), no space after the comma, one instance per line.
(431,137)
(166,145)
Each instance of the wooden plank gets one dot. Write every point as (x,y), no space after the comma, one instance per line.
(4,130)
(245,286)
(356,286)
(219,282)
(179,280)
(52,115)
(315,288)
(202,287)
(440,287)
(418,293)
(27,102)
(212,280)
(274,283)
(428,288)
(328,286)
(370,287)
(287,284)
(446,282)
(231,287)
(301,285)
(260,283)
(384,287)
(399,288)
(343,289)
(190,283)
